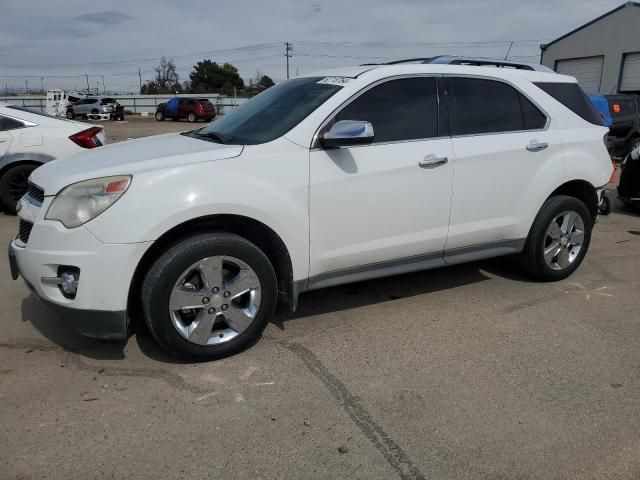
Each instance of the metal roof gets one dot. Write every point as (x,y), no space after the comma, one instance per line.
(611,12)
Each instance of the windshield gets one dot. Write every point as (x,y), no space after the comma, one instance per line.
(272,113)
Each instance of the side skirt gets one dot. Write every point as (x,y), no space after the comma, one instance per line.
(406,265)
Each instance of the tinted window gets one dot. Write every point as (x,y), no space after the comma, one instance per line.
(107,101)
(488,106)
(404,109)
(572,97)
(7,123)
(191,102)
(274,112)
(532,117)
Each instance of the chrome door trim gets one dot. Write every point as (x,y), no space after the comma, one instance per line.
(411,264)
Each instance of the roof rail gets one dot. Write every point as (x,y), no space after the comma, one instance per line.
(475,61)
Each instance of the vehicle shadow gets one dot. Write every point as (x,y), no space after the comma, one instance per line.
(388,289)
(56,330)
(318,302)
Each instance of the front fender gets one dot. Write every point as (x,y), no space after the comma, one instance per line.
(271,188)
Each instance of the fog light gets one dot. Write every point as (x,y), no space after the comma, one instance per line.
(69,282)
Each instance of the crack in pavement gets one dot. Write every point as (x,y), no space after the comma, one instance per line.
(392,452)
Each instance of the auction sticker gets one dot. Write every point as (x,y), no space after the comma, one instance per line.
(335,80)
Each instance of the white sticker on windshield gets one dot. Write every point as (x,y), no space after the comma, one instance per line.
(335,80)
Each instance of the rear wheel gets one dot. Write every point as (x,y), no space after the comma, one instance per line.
(13,185)
(159,116)
(70,114)
(209,296)
(192,117)
(558,240)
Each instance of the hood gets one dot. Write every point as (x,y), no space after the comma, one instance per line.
(129,158)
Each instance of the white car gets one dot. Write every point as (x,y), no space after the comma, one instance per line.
(28,139)
(321,180)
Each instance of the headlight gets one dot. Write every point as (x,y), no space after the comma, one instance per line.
(76,204)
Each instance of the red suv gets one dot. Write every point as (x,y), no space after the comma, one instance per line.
(193,109)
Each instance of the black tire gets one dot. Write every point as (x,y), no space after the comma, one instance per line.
(13,185)
(606,205)
(159,116)
(70,115)
(192,117)
(161,278)
(532,257)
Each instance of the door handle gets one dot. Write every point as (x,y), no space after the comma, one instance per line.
(431,161)
(537,146)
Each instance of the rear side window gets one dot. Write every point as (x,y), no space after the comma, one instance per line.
(572,97)
(487,106)
(7,123)
(403,109)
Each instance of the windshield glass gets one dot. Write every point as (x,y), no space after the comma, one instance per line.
(272,113)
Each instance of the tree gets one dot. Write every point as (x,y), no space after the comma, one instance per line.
(166,79)
(266,82)
(260,82)
(209,77)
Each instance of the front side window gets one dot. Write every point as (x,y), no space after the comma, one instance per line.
(482,106)
(272,113)
(403,109)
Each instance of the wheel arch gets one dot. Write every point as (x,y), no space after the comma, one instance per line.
(253,230)
(15,163)
(583,191)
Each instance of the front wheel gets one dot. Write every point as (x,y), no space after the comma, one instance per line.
(209,296)
(558,240)
(159,116)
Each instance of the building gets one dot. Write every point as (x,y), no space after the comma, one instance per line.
(604,54)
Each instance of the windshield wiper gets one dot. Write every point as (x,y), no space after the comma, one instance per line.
(215,136)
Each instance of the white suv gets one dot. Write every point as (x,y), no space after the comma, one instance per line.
(321,180)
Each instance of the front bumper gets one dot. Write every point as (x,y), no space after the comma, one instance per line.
(99,308)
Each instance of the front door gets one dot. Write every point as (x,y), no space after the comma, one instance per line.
(387,203)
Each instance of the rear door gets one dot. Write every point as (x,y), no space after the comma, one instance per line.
(504,153)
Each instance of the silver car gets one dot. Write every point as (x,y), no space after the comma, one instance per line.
(93,105)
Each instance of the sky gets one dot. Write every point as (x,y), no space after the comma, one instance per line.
(111,40)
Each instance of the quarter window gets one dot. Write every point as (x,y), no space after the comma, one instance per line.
(488,106)
(403,109)
(7,123)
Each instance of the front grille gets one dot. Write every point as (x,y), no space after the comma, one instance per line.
(24,231)
(35,192)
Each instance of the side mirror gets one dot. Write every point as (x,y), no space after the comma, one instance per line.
(346,133)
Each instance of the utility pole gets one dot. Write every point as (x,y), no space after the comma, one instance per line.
(42,83)
(140,78)
(288,48)
(97,87)
(88,89)
(104,90)
(26,84)
(6,88)
(509,51)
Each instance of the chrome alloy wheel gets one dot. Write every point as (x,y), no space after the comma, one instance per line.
(564,240)
(214,300)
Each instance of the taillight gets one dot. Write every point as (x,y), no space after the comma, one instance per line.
(87,138)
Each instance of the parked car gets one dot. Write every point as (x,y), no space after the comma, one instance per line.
(94,105)
(193,109)
(624,131)
(28,139)
(318,181)
(629,186)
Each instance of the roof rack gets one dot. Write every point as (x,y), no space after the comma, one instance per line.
(475,61)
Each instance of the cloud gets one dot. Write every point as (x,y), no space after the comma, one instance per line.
(110,17)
